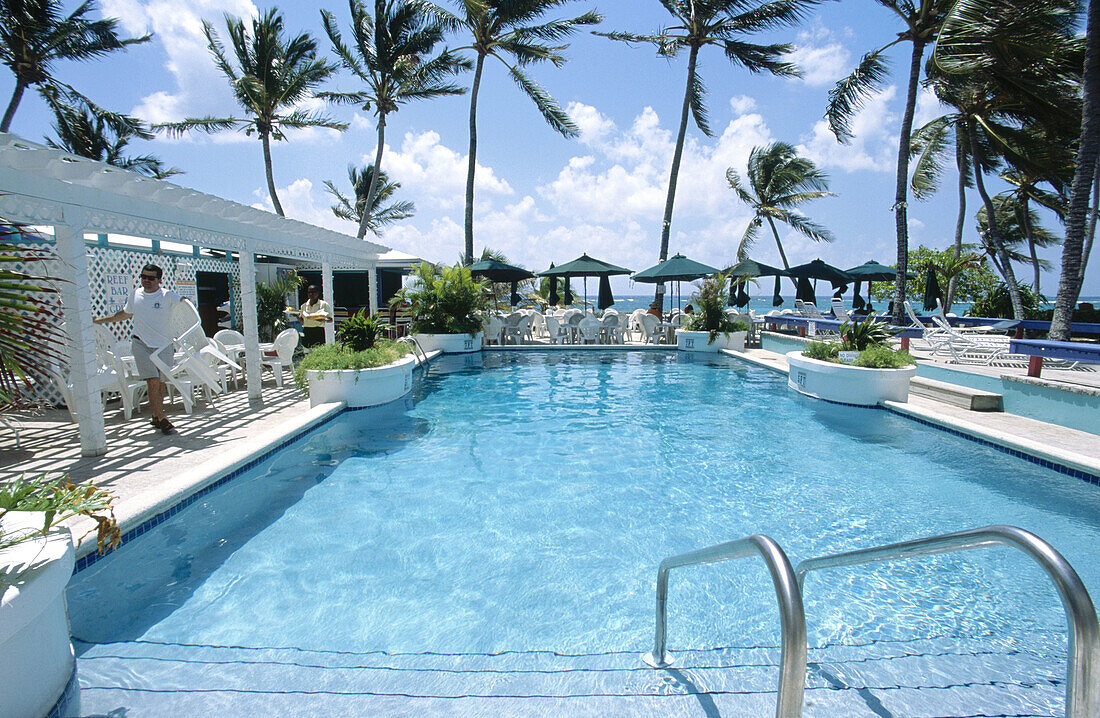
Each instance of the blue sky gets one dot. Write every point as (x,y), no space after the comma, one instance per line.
(540,196)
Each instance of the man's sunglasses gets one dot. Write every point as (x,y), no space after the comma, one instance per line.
(150,277)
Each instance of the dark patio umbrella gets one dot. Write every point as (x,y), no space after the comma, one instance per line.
(805,292)
(777,299)
(677,268)
(873,272)
(931,289)
(752,268)
(738,296)
(605,299)
(514,298)
(568,293)
(820,270)
(496,271)
(583,266)
(554,298)
(838,289)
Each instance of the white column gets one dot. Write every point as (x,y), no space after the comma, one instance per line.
(247,266)
(77,301)
(372,274)
(326,292)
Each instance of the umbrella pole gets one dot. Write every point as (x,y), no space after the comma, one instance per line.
(586,294)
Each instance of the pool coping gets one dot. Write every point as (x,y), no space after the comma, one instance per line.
(142,512)
(1080,466)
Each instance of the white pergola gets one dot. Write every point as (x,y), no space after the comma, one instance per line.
(43,186)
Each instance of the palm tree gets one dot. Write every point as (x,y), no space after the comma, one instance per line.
(922,20)
(1026,190)
(83,134)
(272,77)
(390,55)
(1016,229)
(778,181)
(502,29)
(34,35)
(380,214)
(1010,40)
(722,23)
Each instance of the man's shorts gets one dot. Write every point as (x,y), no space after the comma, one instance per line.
(142,358)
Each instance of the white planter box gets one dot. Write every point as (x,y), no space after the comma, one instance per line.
(688,341)
(362,387)
(36,657)
(847,384)
(450,343)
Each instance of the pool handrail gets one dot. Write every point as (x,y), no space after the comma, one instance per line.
(1083,669)
(418,352)
(792,663)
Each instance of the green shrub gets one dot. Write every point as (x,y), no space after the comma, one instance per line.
(883,357)
(361,330)
(337,357)
(59,499)
(710,315)
(855,337)
(823,351)
(997,303)
(444,300)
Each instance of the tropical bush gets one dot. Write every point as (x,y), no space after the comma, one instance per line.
(883,357)
(710,316)
(361,330)
(444,300)
(997,302)
(59,499)
(857,336)
(822,351)
(271,304)
(339,357)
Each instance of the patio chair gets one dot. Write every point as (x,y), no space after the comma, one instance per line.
(648,324)
(279,354)
(555,331)
(494,330)
(634,325)
(840,311)
(609,328)
(589,329)
(931,334)
(517,327)
(229,337)
(538,325)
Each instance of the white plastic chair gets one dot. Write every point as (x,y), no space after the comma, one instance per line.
(648,324)
(229,337)
(589,328)
(555,331)
(609,328)
(494,330)
(538,325)
(279,354)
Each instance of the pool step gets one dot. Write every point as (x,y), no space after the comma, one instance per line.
(915,678)
(964,396)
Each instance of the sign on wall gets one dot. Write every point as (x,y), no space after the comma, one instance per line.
(187,289)
(119,289)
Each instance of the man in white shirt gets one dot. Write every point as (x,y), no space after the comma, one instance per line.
(150,307)
(315,312)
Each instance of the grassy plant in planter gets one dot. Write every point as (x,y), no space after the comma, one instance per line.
(710,313)
(58,500)
(870,339)
(359,348)
(444,300)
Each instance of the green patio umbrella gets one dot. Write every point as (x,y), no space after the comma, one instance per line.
(583,266)
(496,271)
(605,298)
(752,268)
(676,268)
(931,289)
(554,298)
(818,269)
(805,292)
(869,272)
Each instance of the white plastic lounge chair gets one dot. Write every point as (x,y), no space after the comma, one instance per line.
(932,335)
(840,311)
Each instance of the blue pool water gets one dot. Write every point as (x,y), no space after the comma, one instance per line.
(522,502)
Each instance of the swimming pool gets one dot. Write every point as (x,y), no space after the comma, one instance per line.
(504,525)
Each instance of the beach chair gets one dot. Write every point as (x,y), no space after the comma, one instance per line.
(648,324)
(840,311)
(494,330)
(279,354)
(555,332)
(588,329)
(931,334)
(609,328)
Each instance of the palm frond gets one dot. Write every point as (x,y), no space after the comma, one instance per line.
(749,238)
(551,112)
(929,143)
(848,95)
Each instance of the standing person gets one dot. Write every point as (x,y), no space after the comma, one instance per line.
(150,307)
(315,312)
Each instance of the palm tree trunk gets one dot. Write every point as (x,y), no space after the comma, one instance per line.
(468,258)
(674,173)
(1087,249)
(901,193)
(782,254)
(266,142)
(364,219)
(994,233)
(1025,222)
(16,96)
(1069,284)
(960,220)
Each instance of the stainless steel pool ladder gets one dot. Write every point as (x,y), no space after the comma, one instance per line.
(1083,670)
(418,352)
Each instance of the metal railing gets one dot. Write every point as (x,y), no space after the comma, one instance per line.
(792,664)
(418,352)
(1083,671)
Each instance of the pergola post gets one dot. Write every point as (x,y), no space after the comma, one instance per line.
(372,274)
(326,292)
(247,266)
(77,301)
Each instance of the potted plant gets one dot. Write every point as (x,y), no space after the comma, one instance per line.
(860,369)
(361,369)
(444,303)
(36,561)
(708,329)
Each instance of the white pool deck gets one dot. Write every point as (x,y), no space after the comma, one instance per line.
(149,472)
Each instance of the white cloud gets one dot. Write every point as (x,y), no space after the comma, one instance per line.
(436,174)
(300,202)
(820,56)
(928,108)
(874,145)
(742,104)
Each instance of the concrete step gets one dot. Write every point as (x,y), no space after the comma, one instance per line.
(964,396)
